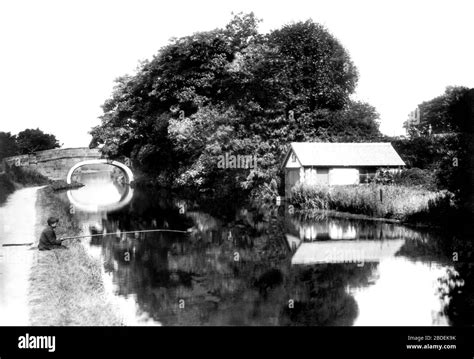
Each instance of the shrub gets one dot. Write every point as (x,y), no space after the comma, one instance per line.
(413,177)
(439,210)
(25,176)
(6,187)
(14,176)
(382,176)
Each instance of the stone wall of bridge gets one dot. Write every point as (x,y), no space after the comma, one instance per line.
(55,163)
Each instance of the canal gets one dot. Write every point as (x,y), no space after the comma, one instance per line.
(263,266)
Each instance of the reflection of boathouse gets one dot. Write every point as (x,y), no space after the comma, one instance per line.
(327,231)
(336,240)
(345,251)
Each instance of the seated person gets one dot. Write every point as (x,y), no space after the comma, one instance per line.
(48,236)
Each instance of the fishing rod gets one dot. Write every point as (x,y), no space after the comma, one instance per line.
(101,234)
(112,233)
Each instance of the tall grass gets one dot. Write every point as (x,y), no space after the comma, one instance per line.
(66,288)
(310,197)
(395,202)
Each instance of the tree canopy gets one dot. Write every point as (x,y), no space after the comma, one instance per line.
(233,90)
(32,140)
(25,142)
(445,113)
(8,145)
(447,151)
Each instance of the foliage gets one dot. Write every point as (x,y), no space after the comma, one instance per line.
(382,176)
(420,152)
(26,142)
(443,113)
(413,177)
(14,177)
(233,91)
(396,202)
(310,197)
(8,145)
(6,187)
(447,154)
(24,176)
(31,140)
(440,210)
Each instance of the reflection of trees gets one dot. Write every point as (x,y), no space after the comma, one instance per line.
(217,289)
(458,291)
(457,286)
(320,296)
(459,283)
(427,247)
(200,268)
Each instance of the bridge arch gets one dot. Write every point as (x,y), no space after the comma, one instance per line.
(126,198)
(120,165)
(98,208)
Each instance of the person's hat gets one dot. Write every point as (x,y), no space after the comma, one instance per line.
(52,220)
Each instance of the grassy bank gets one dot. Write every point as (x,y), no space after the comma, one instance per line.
(17,177)
(382,201)
(66,286)
(66,289)
(6,187)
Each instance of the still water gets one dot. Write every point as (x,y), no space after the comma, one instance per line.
(262,266)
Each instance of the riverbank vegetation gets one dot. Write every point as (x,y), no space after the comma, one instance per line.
(234,91)
(228,92)
(66,286)
(66,289)
(435,188)
(382,201)
(6,187)
(16,177)
(440,146)
(25,142)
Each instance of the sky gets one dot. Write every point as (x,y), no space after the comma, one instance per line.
(59,58)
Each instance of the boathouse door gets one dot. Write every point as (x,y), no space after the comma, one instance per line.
(291,178)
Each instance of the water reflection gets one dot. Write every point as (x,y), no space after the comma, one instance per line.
(346,251)
(404,294)
(269,268)
(104,189)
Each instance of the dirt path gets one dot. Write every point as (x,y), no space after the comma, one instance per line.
(17,225)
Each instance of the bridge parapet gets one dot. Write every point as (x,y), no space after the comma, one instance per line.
(54,163)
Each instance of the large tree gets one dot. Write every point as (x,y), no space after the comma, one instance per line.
(447,152)
(31,140)
(8,145)
(233,90)
(443,114)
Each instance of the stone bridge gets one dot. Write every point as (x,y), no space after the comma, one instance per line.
(55,164)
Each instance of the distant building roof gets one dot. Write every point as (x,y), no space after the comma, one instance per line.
(345,154)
